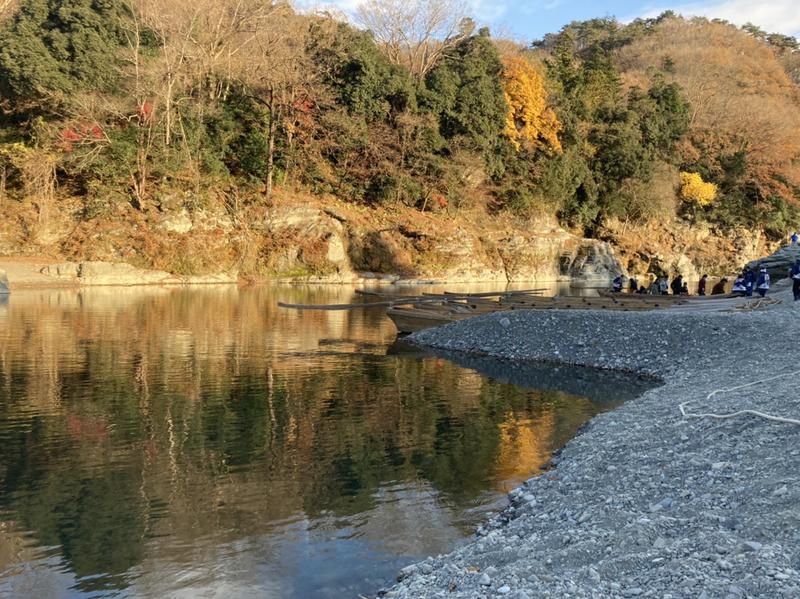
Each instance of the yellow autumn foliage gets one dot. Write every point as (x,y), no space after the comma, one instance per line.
(694,189)
(529,120)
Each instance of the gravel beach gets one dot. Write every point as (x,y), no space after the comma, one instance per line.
(646,502)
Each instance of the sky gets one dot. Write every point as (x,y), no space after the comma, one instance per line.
(526,20)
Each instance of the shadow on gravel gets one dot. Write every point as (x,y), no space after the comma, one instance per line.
(595,384)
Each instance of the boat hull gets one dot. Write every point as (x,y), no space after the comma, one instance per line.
(411,322)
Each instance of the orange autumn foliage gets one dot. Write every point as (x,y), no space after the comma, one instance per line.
(530,121)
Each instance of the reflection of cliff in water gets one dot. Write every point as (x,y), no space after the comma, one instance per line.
(150,437)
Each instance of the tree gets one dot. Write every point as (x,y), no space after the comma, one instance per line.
(59,47)
(529,119)
(465,91)
(358,75)
(201,45)
(272,64)
(663,115)
(416,34)
(694,189)
(782,43)
(755,31)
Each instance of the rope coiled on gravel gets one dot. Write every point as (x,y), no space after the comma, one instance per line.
(742,412)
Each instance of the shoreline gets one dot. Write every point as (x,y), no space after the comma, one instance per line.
(645,502)
(41,273)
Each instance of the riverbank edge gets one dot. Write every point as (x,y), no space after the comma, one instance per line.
(603,525)
(40,274)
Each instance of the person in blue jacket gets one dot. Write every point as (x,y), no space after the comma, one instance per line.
(794,273)
(616,285)
(738,286)
(762,284)
(749,281)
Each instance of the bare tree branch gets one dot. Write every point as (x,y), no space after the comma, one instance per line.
(416,33)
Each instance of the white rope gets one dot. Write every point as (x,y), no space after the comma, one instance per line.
(742,412)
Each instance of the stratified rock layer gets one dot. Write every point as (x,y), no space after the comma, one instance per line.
(117,273)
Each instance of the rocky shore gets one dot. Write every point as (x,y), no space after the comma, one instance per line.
(307,239)
(646,502)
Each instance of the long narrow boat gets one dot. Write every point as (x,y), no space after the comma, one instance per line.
(415,313)
(411,318)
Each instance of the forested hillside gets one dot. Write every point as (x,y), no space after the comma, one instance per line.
(116,111)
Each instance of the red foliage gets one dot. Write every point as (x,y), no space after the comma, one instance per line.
(146,110)
(70,134)
(69,137)
(304,105)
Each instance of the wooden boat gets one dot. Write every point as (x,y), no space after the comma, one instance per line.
(415,313)
(388,299)
(411,318)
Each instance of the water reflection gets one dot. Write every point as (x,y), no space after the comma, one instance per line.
(160,442)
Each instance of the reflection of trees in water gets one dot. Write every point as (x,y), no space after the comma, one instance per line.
(125,419)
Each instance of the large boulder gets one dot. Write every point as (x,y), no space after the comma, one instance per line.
(307,243)
(177,222)
(593,263)
(779,263)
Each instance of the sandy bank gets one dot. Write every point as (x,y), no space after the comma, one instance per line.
(645,502)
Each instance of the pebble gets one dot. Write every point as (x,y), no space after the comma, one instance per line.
(485,580)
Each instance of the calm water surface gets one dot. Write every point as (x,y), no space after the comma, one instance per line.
(173,443)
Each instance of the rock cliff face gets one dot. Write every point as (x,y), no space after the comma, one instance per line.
(320,244)
(326,240)
(688,250)
(316,244)
(778,263)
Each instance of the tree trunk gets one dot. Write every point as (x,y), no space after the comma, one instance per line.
(168,112)
(271,145)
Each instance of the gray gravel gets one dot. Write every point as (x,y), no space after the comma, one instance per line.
(645,503)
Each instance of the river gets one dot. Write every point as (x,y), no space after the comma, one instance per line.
(183,443)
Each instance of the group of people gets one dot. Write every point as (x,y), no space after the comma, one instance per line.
(658,286)
(746,284)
